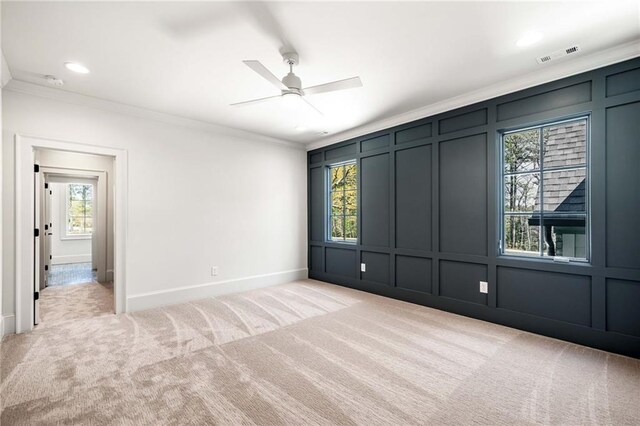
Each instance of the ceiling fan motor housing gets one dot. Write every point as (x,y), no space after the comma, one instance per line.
(292,81)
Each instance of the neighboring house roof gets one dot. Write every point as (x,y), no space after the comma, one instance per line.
(564,191)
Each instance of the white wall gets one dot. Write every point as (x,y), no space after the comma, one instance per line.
(65,250)
(195,199)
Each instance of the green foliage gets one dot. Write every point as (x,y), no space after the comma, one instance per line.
(344,202)
(80,209)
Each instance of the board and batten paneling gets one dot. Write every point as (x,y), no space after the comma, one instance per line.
(623,186)
(463,195)
(374,196)
(413,273)
(413,198)
(429,214)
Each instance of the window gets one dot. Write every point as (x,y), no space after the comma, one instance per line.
(79,209)
(545,195)
(343,201)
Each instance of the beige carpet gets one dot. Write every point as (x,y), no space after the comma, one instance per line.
(73,302)
(308,353)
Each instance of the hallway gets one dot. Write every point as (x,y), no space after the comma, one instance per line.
(70,273)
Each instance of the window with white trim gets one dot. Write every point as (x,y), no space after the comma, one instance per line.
(79,209)
(343,202)
(545,202)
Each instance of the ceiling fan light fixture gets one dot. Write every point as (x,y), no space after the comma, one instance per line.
(291,98)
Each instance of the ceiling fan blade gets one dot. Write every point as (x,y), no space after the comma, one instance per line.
(312,106)
(264,19)
(255,100)
(347,83)
(266,74)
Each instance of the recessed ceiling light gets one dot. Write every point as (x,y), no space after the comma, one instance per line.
(529,38)
(301,128)
(76,67)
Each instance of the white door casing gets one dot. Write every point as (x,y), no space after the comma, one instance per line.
(25,209)
(38,234)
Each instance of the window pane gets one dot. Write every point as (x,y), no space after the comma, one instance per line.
(75,225)
(522,151)
(565,144)
(351,228)
(564,192)
(80,192)
(521,192)
(337,203)
(350,177)
(343,198)
(76,208)
(351,202)
(520,236)
(337,227)
(88,225)
(337,178)
(566,239)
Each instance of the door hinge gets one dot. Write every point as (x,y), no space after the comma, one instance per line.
(36,168)
(46,185)
(36,232)
(36,295)
(46,267)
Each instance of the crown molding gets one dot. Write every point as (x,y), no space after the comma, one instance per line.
(561,70)
(20,86)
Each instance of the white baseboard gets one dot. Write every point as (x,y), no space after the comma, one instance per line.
(109,276)
(71,258)
(8,324)
(156,299)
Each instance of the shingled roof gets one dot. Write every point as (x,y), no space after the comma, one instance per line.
(564,191)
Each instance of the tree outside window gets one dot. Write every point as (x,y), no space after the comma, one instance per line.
(343,198)
(545,204)
(79,209)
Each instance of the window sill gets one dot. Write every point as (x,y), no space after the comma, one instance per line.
(348,243)
(546,260)
(76,237)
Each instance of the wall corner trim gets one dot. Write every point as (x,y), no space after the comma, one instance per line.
(143,301)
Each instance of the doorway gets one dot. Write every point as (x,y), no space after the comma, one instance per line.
(73,251)
(109,192)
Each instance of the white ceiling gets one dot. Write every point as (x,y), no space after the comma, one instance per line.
(185,59)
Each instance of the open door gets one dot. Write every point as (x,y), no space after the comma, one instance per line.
(36,255)
(48,232)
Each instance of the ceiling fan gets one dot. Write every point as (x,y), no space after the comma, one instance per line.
(291,86)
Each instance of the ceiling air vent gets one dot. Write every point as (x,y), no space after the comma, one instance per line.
(557,54)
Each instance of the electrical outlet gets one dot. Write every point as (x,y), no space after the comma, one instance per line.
(484,287)
(363,267)
(214,271)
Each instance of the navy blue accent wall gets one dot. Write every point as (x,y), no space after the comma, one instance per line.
(423,244)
